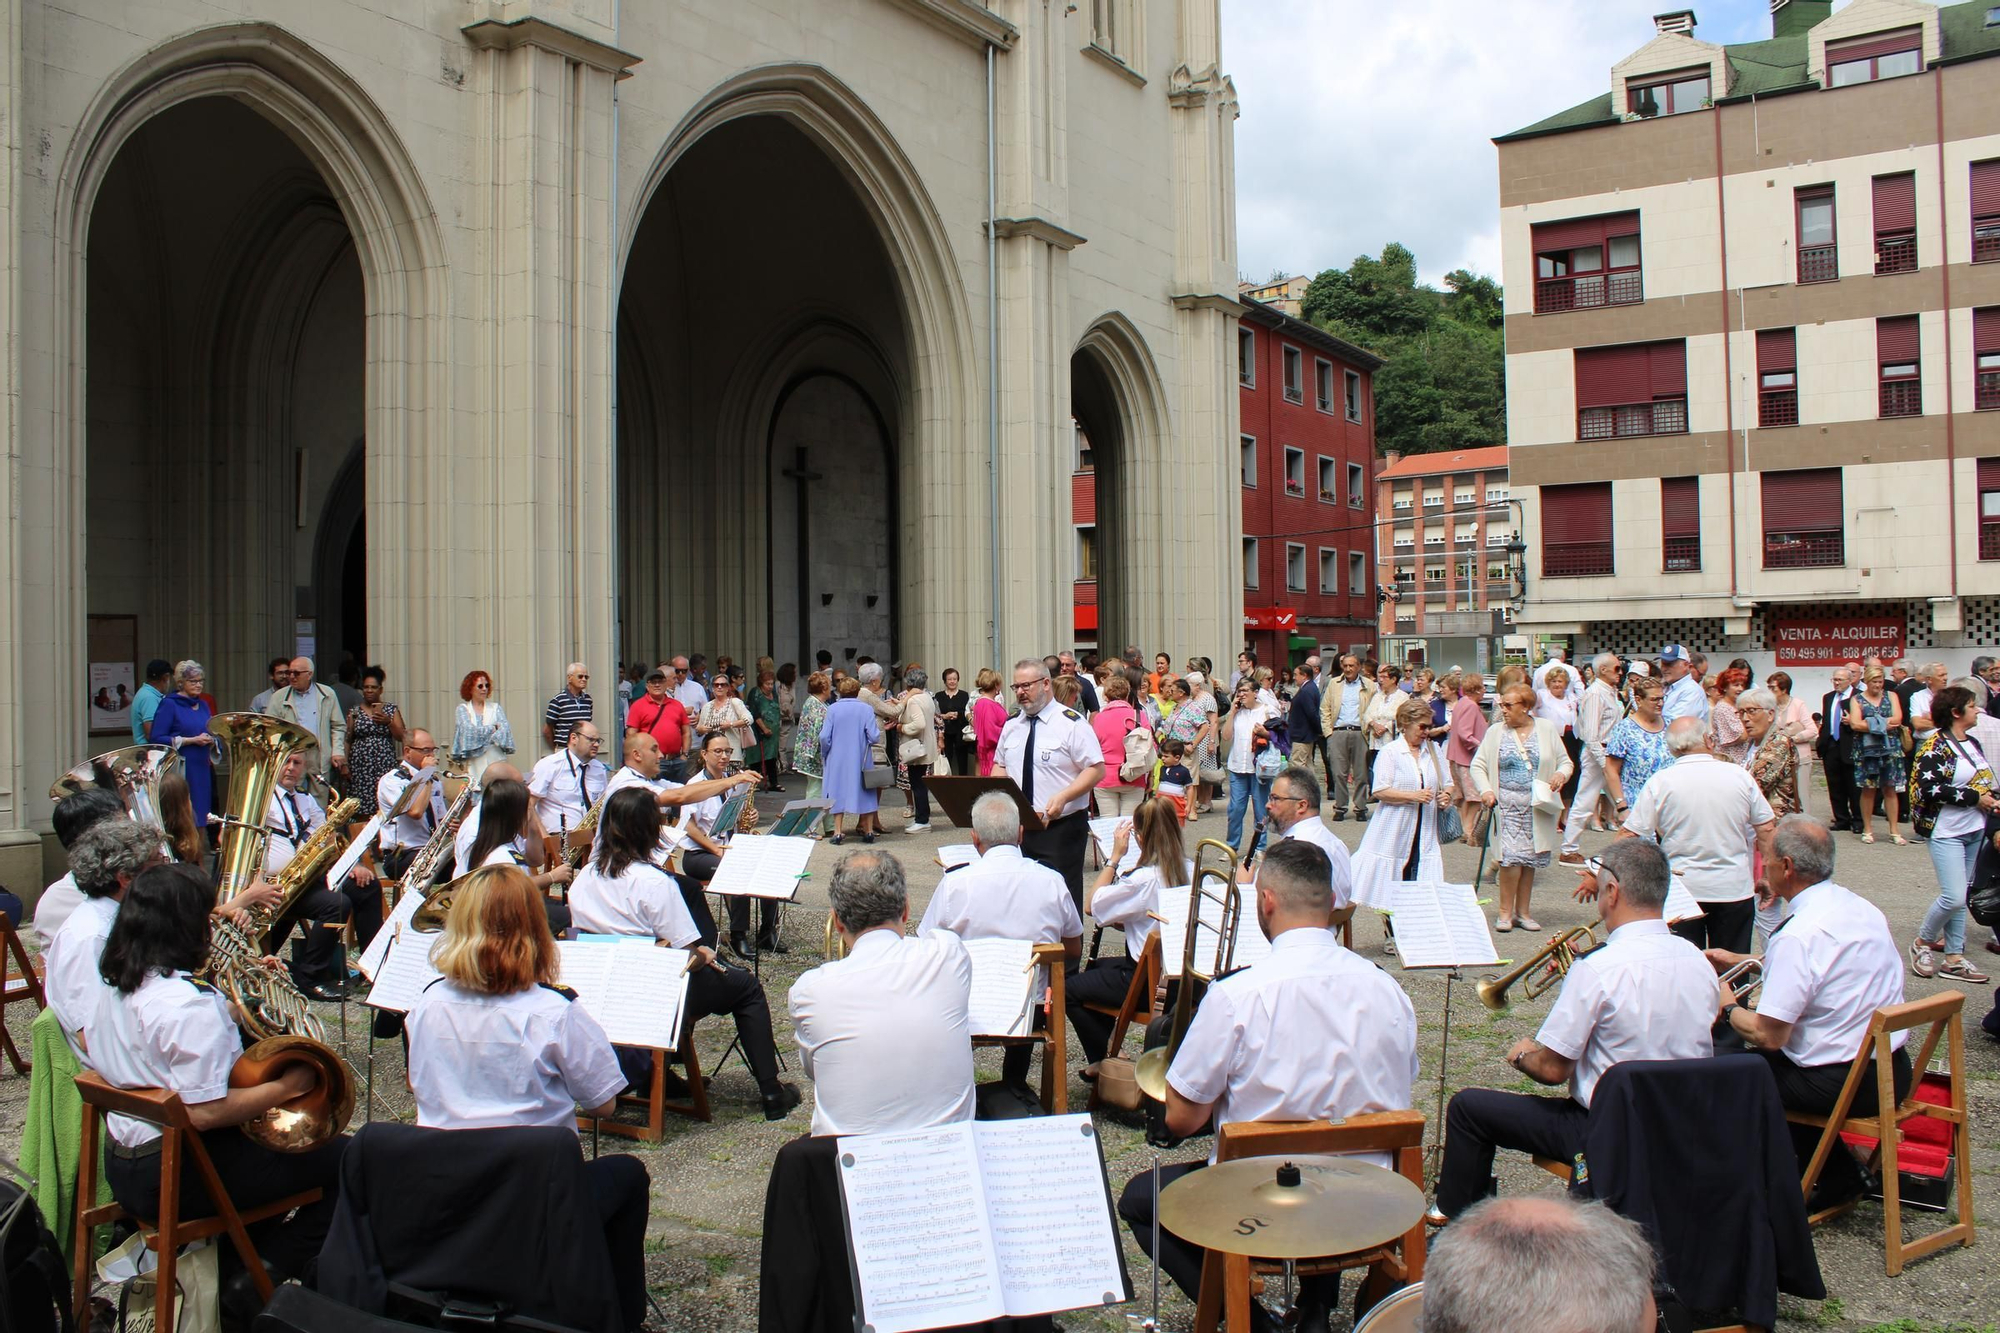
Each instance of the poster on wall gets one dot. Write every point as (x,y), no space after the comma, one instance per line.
(111,688)
(1803,642)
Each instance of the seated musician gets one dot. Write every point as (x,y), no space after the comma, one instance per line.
(158,1027)
(1127,899)
(468,827)
(496,1042)
(1826,971)
(507,823)
(1294,805)
(642,769)
(884,1031)
(319,959)
(405,835)
(568,782)
(703,859)
(105,860)
(1645,994)
(1310,1033)
(621,892)
(75,814)
(1005,896)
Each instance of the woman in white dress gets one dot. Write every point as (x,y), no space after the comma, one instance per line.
(1401,845)
(725,713)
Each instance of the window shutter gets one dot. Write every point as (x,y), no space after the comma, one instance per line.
(1896,339)
(1576,513)
(1989,474)
(1986,329)
(1608,376)
(1680,506)
(1986,188)
(1876,44)
(1777,349)
(1622,224)
(1668,369)
(1896,203)
(1575,233)
(1807,500)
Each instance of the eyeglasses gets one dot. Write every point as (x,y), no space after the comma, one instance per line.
(1020,685)
(423,749)
(592,741)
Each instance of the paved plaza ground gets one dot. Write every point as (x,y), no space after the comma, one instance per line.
(708,1180)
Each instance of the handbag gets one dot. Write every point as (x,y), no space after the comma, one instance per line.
(1479,826)
(878,777)
(1270,763)
(968,735)
(1450,828)
(910,752)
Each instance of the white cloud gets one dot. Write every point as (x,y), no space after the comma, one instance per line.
(1369,121)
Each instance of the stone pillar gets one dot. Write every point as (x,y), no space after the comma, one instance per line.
(20,847)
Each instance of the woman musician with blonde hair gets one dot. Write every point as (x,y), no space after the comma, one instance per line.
(1127,897)
(495,1042)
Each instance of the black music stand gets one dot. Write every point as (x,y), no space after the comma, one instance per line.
(956,795)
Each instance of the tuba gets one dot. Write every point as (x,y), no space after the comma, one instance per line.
(134,773)
(257,747)
(1151,1071)
(1553,960)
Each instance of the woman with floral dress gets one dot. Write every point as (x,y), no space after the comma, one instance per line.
(1518,752)
(805,742)
(1637,746)
(375,740)
(766,720)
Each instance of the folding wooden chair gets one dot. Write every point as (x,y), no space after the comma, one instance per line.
(1226,1279)
(23,982)
(1943,1012)
(1052,1036)
(169,1231)
(1141,1002)
(695,1107)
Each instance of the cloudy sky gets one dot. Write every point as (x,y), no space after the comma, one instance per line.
(1368,121)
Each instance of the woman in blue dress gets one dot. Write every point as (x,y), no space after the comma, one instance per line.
(845,739)
(182,722)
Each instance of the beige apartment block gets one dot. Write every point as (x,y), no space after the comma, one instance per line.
(456,334)
(1753,338)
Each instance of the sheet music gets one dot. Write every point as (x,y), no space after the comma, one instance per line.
(636,995)
(1054,1242)
(405,972)
(957,854)
(1105,831)
(1680,905)
(727,814)
(916,1221)
(1251,946)
(1440,925)
(1004,980)
(378,948)
(344,864)
(763,867)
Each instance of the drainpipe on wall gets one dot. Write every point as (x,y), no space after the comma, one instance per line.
(992,369)
(1944,269)
(1728,359)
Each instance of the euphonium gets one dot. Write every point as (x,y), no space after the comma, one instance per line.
(1151,1071)
(134,773)
(310,1119)
(1554,959)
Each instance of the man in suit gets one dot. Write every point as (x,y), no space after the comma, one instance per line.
(1836,747)
(316,708)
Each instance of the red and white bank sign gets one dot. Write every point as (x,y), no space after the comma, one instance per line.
(1822,643)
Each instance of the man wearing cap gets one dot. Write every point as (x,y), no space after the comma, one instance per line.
(661,715)
(1685,696)
(146,702)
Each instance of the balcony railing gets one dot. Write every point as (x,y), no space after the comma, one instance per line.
(1778,407)
(1989,541)
(1819,263)
(1803,550)
(1986,390)
(1588,291)
(1895,254)
(1985,240)
(1665,417)
(1678,555)
(1568,560)
(1902,398)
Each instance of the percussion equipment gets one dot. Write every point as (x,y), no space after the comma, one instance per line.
(1551,963)
(1401,1311)
(1291,1207)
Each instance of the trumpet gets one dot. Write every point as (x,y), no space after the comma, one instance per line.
(1151,1071)
(1746,995)
(1553,960)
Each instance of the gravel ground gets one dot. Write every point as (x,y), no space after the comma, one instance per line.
(708,1180)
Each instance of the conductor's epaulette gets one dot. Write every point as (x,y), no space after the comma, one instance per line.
(1072,715)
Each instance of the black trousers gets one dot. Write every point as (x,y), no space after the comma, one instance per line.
(619,1186)
(1103,982)
(253,1175)
(319,955)
(959,754)
(1724,926)
(697,869)
(1180,1259)
(1060,847)
(920,793)
(1480,1120)
(739,919)
(734,991)
(1814,1089)
(1573,747)
(1840,794)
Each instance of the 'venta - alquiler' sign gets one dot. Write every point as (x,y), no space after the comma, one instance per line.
(1807,643)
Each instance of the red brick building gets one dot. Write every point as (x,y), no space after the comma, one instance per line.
(1307,467)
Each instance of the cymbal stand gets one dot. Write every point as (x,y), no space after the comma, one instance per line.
(1151,1323)
(1444,1054)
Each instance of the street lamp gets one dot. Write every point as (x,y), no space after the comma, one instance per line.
(1517,558)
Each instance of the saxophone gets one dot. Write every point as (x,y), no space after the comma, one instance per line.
(422,871)
(574,853)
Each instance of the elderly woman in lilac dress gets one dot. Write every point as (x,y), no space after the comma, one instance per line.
(845,741)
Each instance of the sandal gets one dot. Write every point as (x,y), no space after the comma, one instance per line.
(1867,837)
(1899,840)
(1504,924)
(1527,923)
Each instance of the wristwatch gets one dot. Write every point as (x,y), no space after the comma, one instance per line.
(1729,1009)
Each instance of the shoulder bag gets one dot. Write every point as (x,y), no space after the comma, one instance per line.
(1450,828)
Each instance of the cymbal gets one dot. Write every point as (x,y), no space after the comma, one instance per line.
(1258,1206)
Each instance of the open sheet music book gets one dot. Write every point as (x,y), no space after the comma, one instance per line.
(955,854)
(1105,832)
(378,948)
(635,994)
(763,867)
(1251,946)
(404,971)
(1005,984)
(343,866)
(1440,925)
(979,1220)
(1680,905)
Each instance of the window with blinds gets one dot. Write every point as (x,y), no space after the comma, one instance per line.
(1896,354)
(1819,251)
(1802,519)
(1576,530)
(1989,509)
(1986,358)
(1986,211)
(1680,524)
(1583,263)
(1896,223)
(1635,389)
(1882,55)
(1777,378)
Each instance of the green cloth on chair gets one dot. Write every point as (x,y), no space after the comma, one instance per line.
(52,1138)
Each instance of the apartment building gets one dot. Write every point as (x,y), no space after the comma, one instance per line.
(1446,558)
(1285,294)
(1753,341)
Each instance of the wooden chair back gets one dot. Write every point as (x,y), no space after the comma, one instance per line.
(1052,1036)
(23,982)
(694,1106)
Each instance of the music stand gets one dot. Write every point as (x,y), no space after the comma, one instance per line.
(956,795)
(801,819)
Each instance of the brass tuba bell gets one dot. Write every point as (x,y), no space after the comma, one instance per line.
(310,1119)
(133,773)
(257,747)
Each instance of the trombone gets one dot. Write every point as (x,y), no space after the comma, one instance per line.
(1746,995)
(1151,1071)
(1551,963)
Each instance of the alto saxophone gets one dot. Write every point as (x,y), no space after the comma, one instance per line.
(574,853)
(422,871)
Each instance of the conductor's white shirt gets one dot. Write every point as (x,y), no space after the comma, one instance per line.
(565,788)
(1005,896)
(414,829)
(173,1032)
(641,900)
(72,985)
(292,818)
(885,1035)
(1244,1051)
(495,1061)
(1826,971)
(1314,830)
(1647,994)
(1064,746)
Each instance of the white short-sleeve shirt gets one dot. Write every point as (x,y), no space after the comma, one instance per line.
(1826,971)
(1704,811)
(1129,901)
(1003,895)
(172,1032)
(293,817)
(1314,830)
(565,788)
(1065,745)
(72,985)
(58,900)
(415,828)
(1244,1052)
(1647,994)
(641,900)
(495,1061)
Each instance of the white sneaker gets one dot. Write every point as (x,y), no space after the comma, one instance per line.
(916,828)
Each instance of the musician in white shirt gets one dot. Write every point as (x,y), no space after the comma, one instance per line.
(884,1031)
(320,910)
(1054,757)
(642,769)
(497,1042)
(468,828)
(507,817)
(75,815)
(1826,971)
(1347,1044)
(1644,994)
(404,836)
(1294,805)
(1126,899)
(567,782)
(105,860)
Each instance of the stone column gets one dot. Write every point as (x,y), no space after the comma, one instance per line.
(20,847)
